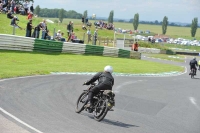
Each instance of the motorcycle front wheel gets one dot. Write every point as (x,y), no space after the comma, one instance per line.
(81,102)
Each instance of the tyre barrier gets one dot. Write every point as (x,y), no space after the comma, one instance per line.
(19,43)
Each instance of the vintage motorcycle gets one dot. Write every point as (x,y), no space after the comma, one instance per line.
(102,103)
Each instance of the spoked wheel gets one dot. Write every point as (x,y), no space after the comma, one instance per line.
(192,74)
(81,102)
(100,110)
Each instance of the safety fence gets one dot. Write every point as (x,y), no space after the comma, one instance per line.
(12,42)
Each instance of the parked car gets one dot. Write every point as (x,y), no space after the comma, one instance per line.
(147,32)
(159,40)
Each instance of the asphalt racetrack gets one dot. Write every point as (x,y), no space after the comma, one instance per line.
(46,104)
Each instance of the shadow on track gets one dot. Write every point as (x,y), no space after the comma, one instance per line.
(117,123)
(196,78)
(111,122)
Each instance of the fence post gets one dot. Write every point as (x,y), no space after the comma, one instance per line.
(54,30)
(83,37)
(88,38)
(13,30)
(99,41)
(93,40)
(107,41)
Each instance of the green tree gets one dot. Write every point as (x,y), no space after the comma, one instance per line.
(37,10)
(110,18)
(136,21)
(164,25)
(61,14)
(194,27)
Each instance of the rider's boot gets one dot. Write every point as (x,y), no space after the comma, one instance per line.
(89,105)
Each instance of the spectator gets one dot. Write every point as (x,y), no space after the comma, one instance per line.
(84,28)
(26,7)
(73,36)
(32,8)
(44,28)
(89,35)
(89,24)
(5,4)
(46,31)
(12,3)
(69,29)
(149,39)
(62,37)
(22,10)
(9,15)
(13,21)
(58,35)
(30,16)
(135,46)
(82,19)
(15,9)
(95,36)
(86,20)
(1,7)
(48,36)
(37,30)
(29,28)
(72,24)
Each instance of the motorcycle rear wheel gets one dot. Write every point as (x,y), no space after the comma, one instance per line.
(100,110)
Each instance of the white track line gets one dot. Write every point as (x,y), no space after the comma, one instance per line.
(117,89)
(20,121)
(193,101)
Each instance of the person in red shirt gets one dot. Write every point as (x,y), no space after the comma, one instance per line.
(30,16)
(135,46)
(73,36)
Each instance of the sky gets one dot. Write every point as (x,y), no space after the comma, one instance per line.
(183,11)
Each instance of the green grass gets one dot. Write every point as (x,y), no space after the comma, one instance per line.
(178,58)
(15,63)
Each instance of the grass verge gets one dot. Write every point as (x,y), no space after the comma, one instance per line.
(16,63)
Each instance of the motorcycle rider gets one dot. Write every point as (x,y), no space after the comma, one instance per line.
(193,64)
(105,82)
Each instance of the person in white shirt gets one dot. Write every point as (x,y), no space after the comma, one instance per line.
(89,35)
(26,7)
(58,35)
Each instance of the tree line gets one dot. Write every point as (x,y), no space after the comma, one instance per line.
(165,23)
(57,13)
(156,22)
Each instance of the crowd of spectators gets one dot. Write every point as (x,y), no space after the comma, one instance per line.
(39,30)
(14,8)
(100,24)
